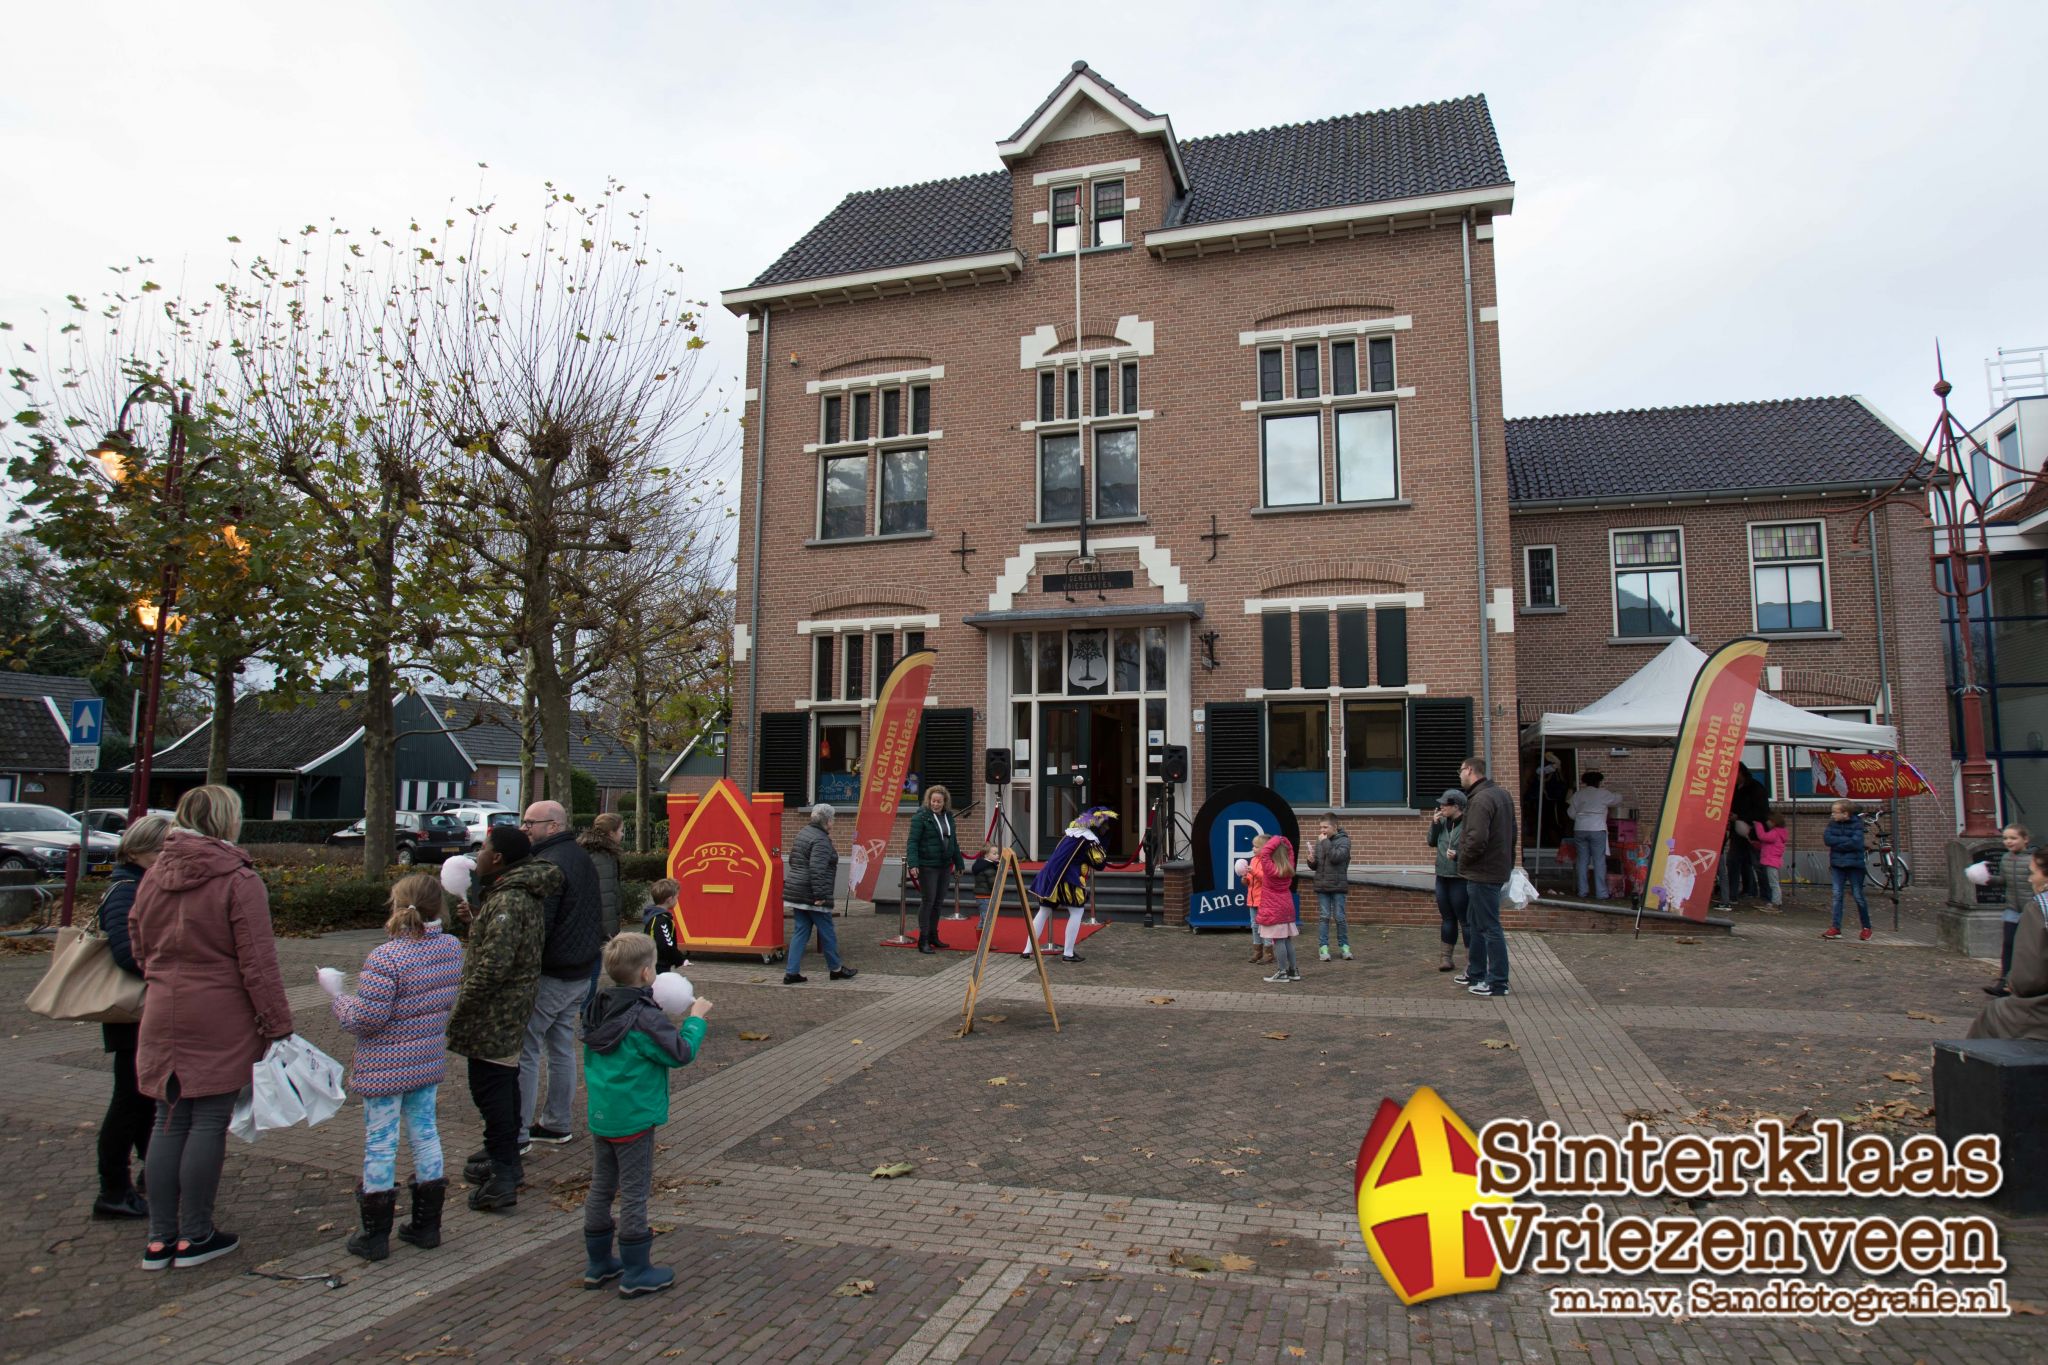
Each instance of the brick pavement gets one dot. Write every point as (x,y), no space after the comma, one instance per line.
(1004,1243)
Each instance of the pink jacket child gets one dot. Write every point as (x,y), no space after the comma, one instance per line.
(1770,844)
(1275,910)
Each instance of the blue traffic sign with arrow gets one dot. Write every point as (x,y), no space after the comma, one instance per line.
(87,717)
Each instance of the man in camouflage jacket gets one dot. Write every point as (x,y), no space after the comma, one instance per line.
(500,976)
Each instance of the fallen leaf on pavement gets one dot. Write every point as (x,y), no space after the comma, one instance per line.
(1297,1352)
(1278,1037)
(28,1313)
(890,1170)
(2029,1310)
(1232,1262)
(854,1289)
(754,1037)
(1124,1319)
(1907,1076)
(1159,1000)
(1922,1014)
(1188,1260)
(993,1018)
(1685,938)
(1498,1044)
(998,1080)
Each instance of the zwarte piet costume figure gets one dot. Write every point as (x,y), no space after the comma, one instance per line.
(1063,881)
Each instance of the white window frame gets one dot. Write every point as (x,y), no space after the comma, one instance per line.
(1123,216)
(819,719)
(1322,490)
(898,445)
(1340,743)
(1827,594)
(1081,216)
(1529,581)
(1866,714)
(1336,489)
(1095,433)
(868,495)
(1615,571)
(2008,476)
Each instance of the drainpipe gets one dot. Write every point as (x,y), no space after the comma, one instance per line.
(754,568)
(1884,686)
(1478,499)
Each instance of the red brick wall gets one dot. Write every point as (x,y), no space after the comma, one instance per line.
(1199,455)
(1567,660)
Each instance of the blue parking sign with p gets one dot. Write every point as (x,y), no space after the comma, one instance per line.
(87,714)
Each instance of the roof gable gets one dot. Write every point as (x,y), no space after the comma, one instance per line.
(1697,451)
(1065,113)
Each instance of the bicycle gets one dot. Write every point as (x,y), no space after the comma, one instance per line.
(1885,868)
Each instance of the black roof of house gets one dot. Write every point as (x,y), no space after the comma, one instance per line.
(1722,447)
(31,739)
(270,738)
(1332,163)
(488,731)
(63,690)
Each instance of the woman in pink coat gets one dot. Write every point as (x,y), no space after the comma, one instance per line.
(1273,866)
(200,930)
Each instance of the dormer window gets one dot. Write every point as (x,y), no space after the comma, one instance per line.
(1109,212)
(1066,218)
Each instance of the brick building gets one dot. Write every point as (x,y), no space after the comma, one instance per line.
(1630,528)
(1249,380)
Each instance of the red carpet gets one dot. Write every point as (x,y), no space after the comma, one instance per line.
(959,935)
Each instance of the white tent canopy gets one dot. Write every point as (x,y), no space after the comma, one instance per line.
(1648,709)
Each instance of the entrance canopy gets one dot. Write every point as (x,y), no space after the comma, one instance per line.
(1646,712)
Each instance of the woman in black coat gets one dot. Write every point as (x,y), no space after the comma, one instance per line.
(130,1113)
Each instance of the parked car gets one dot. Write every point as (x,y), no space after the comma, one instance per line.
(37,838)
(114,819)
(447,803)
(479,816)
(422,836)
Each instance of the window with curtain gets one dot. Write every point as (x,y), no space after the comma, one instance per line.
(1293,459)
(1367,470)
(1789,573)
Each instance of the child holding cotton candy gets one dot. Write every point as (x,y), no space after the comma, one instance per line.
(629,1046)
(399,1016)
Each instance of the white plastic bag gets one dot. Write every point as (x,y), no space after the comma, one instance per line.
(314,1076)
(294,1082)
(1520,889)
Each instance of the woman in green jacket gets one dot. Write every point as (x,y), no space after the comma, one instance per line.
(933,857)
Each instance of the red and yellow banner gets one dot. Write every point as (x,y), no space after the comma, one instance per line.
(1687,851)
(1866,777)
(890,744)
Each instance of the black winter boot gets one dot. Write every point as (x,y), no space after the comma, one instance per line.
(477,1170)
(502,1192)
(424,1230)
(373,1243)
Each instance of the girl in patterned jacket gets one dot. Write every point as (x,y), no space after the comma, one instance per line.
(399,1016)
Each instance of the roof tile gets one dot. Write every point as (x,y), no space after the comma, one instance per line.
(1785,443)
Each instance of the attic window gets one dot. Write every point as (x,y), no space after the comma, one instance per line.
(1109,212)
(1066,224)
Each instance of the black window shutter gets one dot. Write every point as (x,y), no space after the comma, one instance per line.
(1351,665)
(1276,629)
(1439,742)
(786,755)
(1315,649)
(1237,744)
(948,741)
(1393,646)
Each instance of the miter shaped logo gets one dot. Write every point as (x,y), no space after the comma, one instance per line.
(1418,1182)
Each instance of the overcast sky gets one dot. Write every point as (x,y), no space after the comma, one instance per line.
(1714,202)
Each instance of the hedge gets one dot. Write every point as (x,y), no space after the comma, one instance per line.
(642,867)
(290,831)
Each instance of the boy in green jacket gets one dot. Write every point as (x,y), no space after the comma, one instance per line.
(629,1047)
